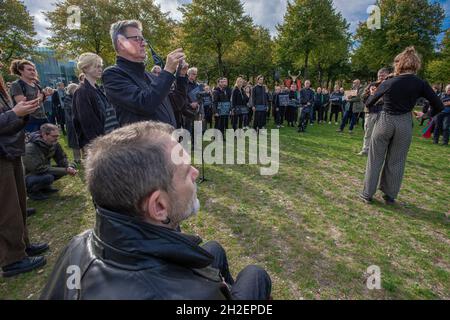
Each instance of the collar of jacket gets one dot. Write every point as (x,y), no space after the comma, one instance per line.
(37,139)
(130,241)
(135,67)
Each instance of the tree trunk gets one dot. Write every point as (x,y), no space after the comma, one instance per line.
(219,58)
(320,74)
(306,64)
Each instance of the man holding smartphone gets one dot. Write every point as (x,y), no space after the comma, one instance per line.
(136,94)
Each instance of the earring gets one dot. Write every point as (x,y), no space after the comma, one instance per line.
(167,221)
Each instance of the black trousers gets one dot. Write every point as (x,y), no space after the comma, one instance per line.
(260,119)
(240,120)
(335,109)
(252,283)
(319,112)
(305,116)
(208,116)
(222,123)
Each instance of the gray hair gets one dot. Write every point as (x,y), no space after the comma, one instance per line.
(48,128)
(154,68)
(384,71)
(124,167)
(193,69)
(120,27)
(71,88)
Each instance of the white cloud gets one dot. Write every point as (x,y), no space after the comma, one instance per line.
(171,6)
(267,13)
(36,9)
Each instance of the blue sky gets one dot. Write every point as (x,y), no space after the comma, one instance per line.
(264,12)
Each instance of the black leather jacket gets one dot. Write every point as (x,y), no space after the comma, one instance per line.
(126,258)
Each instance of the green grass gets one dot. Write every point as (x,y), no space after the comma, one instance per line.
(305,225)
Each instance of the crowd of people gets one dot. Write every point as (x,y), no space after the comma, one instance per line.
(120,120)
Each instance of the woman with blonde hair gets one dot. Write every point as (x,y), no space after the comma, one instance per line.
(239,101)
(93,115)
(392,133)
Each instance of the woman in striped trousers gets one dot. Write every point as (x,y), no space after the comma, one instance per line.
(392,132)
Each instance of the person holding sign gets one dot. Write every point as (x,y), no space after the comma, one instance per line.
(239,106)
(291,107)
(222,104)
(260,104)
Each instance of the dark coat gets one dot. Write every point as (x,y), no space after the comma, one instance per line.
(238,98)
(88,115)
(12,135)
(137,95)
(72,138)
(220,95)
(306,96)
(126,258)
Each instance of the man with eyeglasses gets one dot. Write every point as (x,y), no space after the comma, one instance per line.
(136,94)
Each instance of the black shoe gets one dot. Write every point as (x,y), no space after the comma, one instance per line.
(30,212)
(36,249)
(37,196)
(365,199)
(25,265)
(388,200)
(49,189)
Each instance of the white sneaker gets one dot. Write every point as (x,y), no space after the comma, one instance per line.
(362,153)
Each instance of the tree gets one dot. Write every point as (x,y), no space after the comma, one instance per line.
(312,30)
(16,31)
(438,70)
(403,23)
(253,56)
(213,27)
(96,19)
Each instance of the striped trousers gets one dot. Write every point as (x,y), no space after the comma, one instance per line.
(389,146)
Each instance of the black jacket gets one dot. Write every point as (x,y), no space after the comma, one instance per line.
(400,94)
(238,98)
(259,96)
(88,115)
(138,95)
(306,96)
(220,95)
(125,258)
(12,135)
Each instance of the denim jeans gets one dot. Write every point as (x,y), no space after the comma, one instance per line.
(347,115)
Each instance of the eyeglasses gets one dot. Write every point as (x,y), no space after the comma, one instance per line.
(139,39)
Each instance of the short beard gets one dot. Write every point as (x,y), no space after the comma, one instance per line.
(180,212)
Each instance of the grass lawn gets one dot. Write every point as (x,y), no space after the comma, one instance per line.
(305,225)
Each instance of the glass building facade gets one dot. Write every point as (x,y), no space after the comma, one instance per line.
(52,70)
